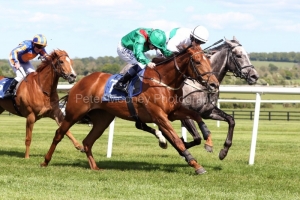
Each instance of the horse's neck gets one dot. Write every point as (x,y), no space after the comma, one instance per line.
(169,75)
(218,64)
(47,80)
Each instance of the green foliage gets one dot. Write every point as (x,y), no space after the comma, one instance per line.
(5,69)
(277,56)
(271,71)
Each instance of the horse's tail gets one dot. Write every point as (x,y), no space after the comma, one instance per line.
(64,100)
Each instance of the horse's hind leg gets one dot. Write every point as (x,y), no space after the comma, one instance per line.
(207,136)
(190,126)
(162,142)
(101,120)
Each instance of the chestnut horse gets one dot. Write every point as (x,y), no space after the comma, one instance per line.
(229,56)
(36,96)
(158,103)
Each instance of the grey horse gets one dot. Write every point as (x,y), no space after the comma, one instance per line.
(230,56)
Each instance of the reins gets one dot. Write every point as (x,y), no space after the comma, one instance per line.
(195,70)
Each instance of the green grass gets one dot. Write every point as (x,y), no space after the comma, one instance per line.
(139,169)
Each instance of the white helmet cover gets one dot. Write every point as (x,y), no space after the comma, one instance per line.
(200,33)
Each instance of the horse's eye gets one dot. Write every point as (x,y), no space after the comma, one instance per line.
(61,62)
(196,61)
(238,56)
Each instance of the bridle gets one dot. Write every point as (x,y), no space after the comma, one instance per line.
(193,66)
(239,68)
(195,71)
(57,69)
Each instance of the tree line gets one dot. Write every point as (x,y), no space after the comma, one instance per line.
(276,57)
(271,74)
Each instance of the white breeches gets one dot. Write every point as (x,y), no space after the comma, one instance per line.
(128,56)
(23,71)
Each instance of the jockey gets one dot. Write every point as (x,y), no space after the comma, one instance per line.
(132,47)
(184,36)
(21,55)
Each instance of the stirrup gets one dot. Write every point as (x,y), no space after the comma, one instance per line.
(121,87)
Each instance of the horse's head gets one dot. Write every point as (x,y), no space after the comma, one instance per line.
(200,69)
(239,63)
(62,65)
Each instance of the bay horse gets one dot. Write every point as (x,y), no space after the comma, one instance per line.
(159,102)
(230,56)
(36,96)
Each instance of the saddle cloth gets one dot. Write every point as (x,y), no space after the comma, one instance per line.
(4,84)
(134,87)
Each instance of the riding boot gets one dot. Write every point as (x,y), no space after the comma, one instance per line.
(122,82)
(10,91)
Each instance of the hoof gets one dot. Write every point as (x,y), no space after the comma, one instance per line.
(97,169)
(200,171)
(161,140)
(80,148)
(222,154)
(208,148)
(43,164)
(163,145)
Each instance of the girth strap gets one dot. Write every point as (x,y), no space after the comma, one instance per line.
(132,110)
(15,106)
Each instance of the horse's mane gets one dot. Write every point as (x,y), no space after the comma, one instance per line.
(161,60)
(49,58)
(223,45)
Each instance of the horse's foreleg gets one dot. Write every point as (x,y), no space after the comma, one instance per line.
(228,142)
(218,114)
(168,131)
(59,135)
(101,120)
(29,127)
(162,142)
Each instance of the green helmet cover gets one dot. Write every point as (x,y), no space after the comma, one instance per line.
(158,39)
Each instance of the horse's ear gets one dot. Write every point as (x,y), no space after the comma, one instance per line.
(229,42)
(234,38)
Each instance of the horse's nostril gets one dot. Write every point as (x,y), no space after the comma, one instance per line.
(255,77)
(73,75)
(213,86)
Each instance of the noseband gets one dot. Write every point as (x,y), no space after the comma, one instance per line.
(239,68)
